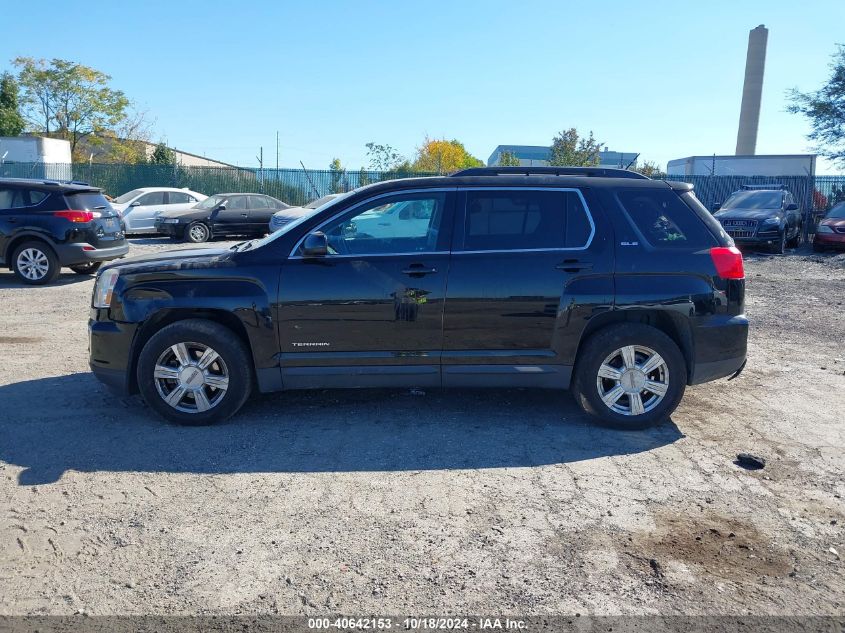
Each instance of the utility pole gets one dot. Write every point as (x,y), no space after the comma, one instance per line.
(260,158)
(277,153)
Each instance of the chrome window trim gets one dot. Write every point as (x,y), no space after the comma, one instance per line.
(535,250)
(359,204)
(292,254)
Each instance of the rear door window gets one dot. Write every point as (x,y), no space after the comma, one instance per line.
(178,197)
(525,220)
(258,202)
(663,220)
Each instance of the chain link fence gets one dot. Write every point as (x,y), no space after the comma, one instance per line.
(815,194)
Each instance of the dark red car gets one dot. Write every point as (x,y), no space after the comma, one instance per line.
(830,233)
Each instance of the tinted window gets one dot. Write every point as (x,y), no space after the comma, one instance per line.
(156,197)
(11,198)
(88,201)
(754,200)
(35,197)
(403,224)
(178,197)
(126,197)
(837,212)
(663,220)
(505,220)
(258,202)
(236,202)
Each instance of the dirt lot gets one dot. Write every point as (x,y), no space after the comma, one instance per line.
(502,502)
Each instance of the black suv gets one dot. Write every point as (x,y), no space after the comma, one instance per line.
(45,225)
(762,215)
(622,287)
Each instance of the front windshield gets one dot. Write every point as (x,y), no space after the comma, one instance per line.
(754,200)
(126,197)
(210,203)
(837,212)
(319,202)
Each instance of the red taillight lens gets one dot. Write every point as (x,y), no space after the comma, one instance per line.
(75,216)
(728,262)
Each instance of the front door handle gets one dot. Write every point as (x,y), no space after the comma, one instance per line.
(418,270)
(573,265)
(244,215)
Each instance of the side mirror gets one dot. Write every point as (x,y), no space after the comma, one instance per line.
(716,206)
(135,204)
(221,207)
(315,245)
(792,207)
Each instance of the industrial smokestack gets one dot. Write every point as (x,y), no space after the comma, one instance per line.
(752,90)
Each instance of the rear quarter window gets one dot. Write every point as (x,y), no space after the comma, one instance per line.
(663,220)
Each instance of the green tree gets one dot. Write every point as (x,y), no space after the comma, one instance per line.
(339,182)
(444,157)
(569,149)
(825,108)
(649,168)
(508,159)
(11,121)
(162,155)
(383,157)
(67,100)
(363,177)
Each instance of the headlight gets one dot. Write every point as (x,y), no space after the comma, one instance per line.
(771,221)
(170,221)
(824,228)
(104,287)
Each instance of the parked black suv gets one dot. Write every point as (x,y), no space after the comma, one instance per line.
(45,225)
(762,215)
(624,288)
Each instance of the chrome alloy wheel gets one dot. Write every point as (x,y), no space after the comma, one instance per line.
(33,264)
(198,233)
(633,380)
(191,377)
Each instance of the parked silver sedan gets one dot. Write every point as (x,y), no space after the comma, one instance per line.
(283,217)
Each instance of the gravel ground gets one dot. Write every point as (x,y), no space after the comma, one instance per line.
(387,502)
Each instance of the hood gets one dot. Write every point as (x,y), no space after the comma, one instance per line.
(179,259)
(748,214)
(293,212)
(838,222)
(192,214)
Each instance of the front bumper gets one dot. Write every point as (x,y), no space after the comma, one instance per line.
(830,240)
(173,230)
(75,253)
(110,353)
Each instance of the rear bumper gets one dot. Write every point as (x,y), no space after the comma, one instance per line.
(75,253)
(720,344)
(110,350)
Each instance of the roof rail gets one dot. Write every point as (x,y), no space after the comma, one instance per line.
(770,187)
(594,172)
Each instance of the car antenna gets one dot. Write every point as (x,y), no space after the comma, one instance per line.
(305,171)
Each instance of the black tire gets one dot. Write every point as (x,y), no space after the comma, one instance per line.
(35,263)
(195,333)
(613,338)
(88,268)
(795,242)
(779,247)
(197,232)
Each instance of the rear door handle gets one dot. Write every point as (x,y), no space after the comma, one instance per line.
(418,270)
(573,265)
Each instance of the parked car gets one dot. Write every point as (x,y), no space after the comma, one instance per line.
(219,215)
(762,215)
(622,288)
(139,207)
(830,231)
(45,225)
(281,218)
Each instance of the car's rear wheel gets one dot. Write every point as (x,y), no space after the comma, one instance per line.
(88,268)
(195,372)
(197,232)
(35,263)
(629,376)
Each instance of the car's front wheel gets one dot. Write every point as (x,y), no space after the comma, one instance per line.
(35,263)
(88,268)
(779,247)
(197,232)
(195,372)
(629,376)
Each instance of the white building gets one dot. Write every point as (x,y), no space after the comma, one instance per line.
(756,165)
(49,157)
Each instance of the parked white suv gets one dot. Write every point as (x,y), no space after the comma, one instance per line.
(139,207)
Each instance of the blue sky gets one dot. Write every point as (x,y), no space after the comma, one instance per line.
(220,78)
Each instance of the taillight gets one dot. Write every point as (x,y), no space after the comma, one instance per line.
(75,216)
(728,262)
